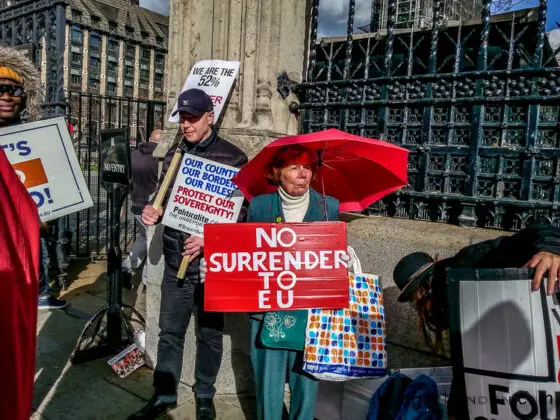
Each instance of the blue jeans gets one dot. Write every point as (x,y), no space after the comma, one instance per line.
(44,288)
(62,241)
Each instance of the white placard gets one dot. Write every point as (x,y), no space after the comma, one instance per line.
(215,77)
(44,159)
(203,193)
(510,338)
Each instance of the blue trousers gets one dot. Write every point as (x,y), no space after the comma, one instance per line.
(270,367)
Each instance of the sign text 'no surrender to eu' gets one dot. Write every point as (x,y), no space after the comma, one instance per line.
(258,267)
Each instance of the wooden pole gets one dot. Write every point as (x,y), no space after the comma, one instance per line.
(183,268)
(169,176)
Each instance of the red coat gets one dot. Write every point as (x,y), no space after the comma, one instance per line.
(19,268)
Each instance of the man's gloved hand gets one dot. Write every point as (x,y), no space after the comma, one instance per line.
(203,270)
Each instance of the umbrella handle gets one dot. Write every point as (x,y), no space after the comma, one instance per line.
(320,157)
(319,168)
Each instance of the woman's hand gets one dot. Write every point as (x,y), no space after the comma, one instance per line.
(545,262)
(348,259)
(194,246)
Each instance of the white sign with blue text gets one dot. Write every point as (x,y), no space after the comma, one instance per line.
(44,159)
(203,193)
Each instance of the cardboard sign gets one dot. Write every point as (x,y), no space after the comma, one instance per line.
(260,267)
(45,161)
(505,345)
(215,77)
(203,193)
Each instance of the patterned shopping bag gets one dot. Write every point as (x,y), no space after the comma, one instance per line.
(349,343)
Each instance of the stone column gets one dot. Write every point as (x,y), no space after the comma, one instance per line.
(268,38)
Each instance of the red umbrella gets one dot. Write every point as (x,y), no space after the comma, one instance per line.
(355,170)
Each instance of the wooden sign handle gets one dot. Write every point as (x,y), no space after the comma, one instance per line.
(183,268)
(169,176)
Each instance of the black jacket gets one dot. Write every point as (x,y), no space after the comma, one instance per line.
(504,252)
(214,148)
(144,168)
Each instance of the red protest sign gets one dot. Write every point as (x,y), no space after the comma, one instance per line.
(259,267)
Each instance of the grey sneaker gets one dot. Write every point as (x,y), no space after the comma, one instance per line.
(52,303)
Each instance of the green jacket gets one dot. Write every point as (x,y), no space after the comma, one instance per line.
(267,208)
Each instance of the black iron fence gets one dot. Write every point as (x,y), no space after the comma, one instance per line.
(90,114)
(477,104)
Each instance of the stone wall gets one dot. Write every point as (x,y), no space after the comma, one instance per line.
(265,37)
(380,243)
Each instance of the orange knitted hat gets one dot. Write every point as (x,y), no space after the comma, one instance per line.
(11,74)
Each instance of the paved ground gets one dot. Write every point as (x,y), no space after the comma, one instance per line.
(91,390)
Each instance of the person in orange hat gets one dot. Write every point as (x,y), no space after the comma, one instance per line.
(20,256)
(20,100)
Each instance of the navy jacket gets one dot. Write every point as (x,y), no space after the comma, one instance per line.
(214,148)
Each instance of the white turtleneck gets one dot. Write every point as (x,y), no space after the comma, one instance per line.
(294,208)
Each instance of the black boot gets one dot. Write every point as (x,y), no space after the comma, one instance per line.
(205,409)
(158,405)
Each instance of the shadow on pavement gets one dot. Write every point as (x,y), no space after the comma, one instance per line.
(89,390)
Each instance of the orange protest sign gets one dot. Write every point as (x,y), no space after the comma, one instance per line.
(31,173)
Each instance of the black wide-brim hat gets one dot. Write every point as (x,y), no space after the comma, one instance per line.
(410,272)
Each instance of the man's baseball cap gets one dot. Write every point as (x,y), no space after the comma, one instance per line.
(194,102)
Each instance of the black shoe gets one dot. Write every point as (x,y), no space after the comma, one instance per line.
(158,405)
(51,302)
(205,409)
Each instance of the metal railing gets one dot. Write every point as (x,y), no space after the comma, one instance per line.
(476,103)
(90,114)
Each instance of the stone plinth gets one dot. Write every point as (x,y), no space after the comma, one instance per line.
(380,242)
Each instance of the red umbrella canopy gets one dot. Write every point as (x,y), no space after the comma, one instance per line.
(355,170)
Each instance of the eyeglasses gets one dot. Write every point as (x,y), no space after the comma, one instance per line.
(15,91)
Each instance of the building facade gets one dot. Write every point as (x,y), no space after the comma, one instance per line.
(115,48)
